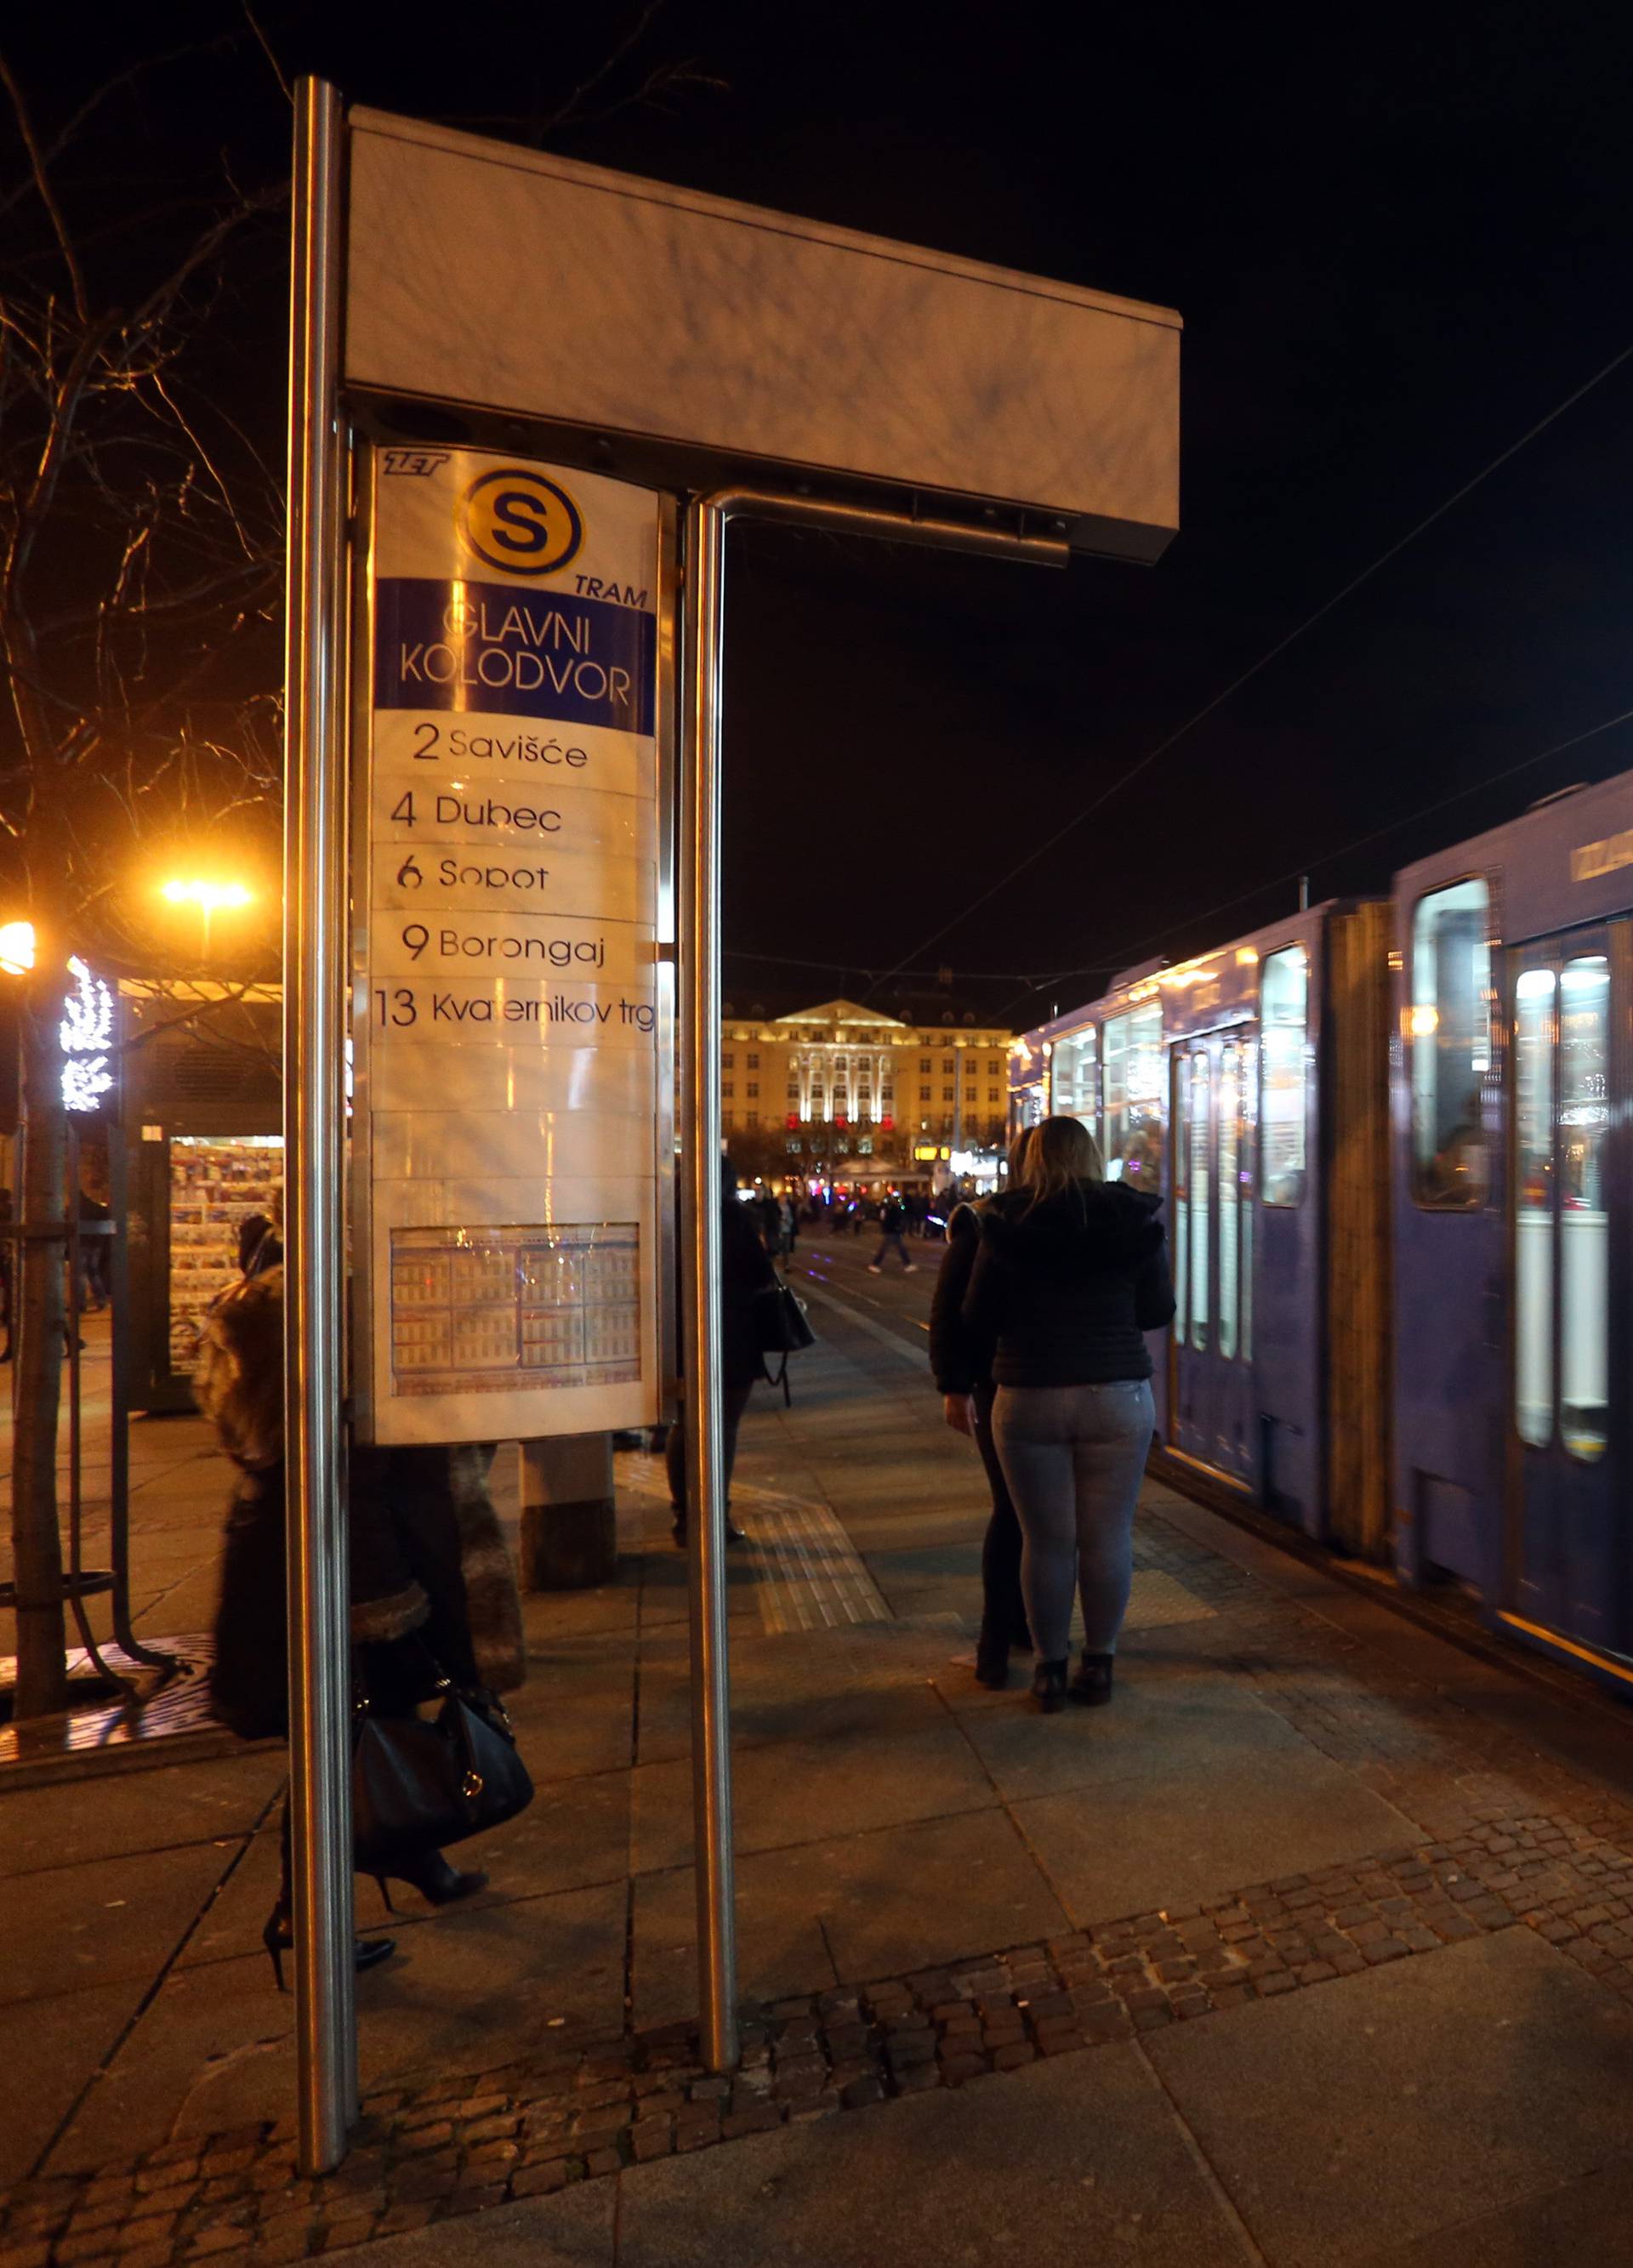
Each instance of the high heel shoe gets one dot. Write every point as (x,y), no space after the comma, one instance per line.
(279,1937)
(1092,1683)
(1049,1686)
(437,1882)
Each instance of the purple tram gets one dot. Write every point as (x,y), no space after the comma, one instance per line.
(1249,1086)
(1513,1196)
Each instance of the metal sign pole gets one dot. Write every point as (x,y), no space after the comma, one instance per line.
(700,1272)
(707,517)
(315,908)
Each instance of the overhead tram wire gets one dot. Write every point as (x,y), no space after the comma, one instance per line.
(1129,954)
(1218,700)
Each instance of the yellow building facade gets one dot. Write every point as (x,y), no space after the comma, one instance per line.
(846,1092)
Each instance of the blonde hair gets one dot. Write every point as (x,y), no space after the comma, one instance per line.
(1060,1154)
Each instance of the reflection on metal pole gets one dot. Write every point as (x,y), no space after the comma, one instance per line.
(707,521)
(313,1037)
(700,1276)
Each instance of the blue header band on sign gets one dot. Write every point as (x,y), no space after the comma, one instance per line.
(491,646)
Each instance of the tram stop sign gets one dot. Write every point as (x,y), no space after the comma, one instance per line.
(585,341)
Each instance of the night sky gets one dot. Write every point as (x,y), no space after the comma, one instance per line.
(1395,249)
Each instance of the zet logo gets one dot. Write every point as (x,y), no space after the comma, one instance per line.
(519,522)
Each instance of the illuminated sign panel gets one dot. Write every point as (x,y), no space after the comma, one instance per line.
(505,1016)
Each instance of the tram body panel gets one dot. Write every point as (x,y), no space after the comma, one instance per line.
(1513,1258)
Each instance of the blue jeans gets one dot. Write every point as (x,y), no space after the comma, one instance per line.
(891,1241)
(1074,1457)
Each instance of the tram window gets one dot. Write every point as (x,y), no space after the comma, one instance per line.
(1200,1128)
(1229,1195)
(1583,1225)
(1283,1017)
(1076,1076)
(1451,1032)
(1133,1063)
(1182,1198)
(1247,1169)
(1534,1225)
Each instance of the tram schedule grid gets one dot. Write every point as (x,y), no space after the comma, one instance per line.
(492,1309)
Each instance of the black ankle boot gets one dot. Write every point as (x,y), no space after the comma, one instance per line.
(991,1659)
(1049,1686)
(1092,1683)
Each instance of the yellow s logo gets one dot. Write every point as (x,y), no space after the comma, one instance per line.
(515,519)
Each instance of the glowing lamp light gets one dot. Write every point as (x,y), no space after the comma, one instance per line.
(17,948)
(209,897)
(1424,1023)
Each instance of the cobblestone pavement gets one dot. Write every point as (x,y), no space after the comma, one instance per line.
(1509,1817)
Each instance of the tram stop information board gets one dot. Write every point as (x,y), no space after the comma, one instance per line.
(505,927)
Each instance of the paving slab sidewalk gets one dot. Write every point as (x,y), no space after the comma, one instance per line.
(1318,1946)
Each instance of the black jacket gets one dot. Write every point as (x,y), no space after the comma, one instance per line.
(961,1360)
(745,1269)
(1064,1289)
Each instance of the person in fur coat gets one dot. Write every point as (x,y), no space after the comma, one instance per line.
(427,1558)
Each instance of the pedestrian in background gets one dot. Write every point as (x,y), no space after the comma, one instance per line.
(962,1365)
(892,1224)
(745,1270)
(1071,1271)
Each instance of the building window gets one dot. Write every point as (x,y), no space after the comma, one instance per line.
(753,1063)
(947,1063)
(795,1146)
(1449,1026)
(754,1118)
(947,1094)
(992,1097)
(864,1148)
(753,1089)
(924,1095)
(727,1060)
(728,1086)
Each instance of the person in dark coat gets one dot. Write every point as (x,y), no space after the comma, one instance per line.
(1071,1272)
(432,1586)
(892,1228)
(745,1270)
(963,1367)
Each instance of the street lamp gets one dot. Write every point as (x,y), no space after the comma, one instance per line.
(17,948)
(210,898)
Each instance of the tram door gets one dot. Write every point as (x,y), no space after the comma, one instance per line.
(1214,1169)
(1572,1208)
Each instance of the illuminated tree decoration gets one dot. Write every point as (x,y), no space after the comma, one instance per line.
(85,1033)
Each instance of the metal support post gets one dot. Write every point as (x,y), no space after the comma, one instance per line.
(701,706)
(314,963)
(700,1276)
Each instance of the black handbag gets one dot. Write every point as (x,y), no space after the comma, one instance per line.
(781,1327)
(421,1783)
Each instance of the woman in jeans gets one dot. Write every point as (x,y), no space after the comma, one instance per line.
(1072,1270)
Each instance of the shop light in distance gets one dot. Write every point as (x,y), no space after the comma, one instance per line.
(84,1035)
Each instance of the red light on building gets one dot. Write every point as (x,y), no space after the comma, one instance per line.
(841,1121)
(792,1121)
(887,1124)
